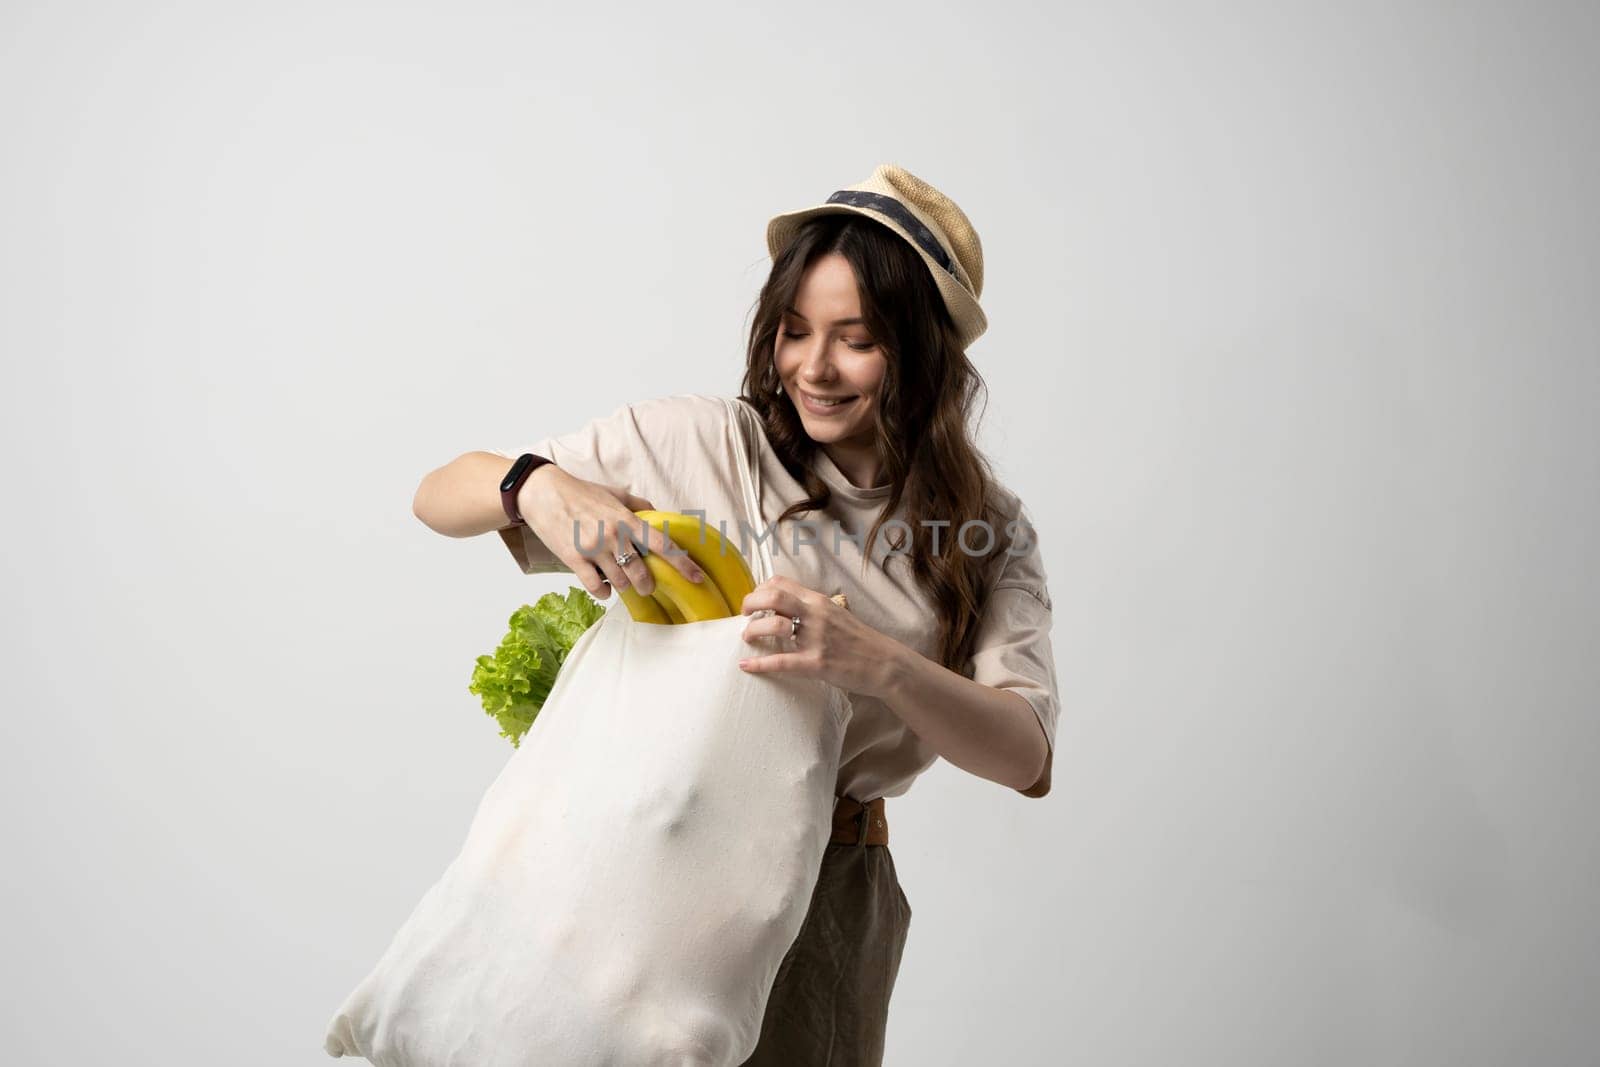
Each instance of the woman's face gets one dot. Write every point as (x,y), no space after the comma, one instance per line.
(824,352)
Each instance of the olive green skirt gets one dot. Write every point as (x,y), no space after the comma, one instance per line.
(830,1001)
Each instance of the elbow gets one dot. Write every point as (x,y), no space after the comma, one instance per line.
(431,502)
(1035,782)
(419,503)
(440,502)
(424,502)
(1039,779)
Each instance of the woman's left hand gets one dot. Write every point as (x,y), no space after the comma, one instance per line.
(830,642)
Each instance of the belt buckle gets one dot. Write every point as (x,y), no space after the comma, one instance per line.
(862,821)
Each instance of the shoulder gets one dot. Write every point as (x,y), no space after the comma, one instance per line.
(680,417)
(1020,563)
(1007,509)
(684,409)
(696,428)
(1003,499)
(709,416)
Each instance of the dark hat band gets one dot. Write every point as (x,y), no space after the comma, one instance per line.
(888,205)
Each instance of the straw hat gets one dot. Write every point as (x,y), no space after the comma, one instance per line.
(927,219)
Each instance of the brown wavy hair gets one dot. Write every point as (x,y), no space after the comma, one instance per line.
(927,400)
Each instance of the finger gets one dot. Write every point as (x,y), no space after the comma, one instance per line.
(636,572)
(777,663)
(670,551)
(789,585)
(769,626)
(590,576)
(606,561)
(800,595)
(770,597)
(643,538)
(758,598)
(619,537)
(685,563)
(636,533)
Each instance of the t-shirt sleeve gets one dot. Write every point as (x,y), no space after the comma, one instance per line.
(1012,649)
(637,446)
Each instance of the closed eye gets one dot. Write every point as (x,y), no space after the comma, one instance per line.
(868,347)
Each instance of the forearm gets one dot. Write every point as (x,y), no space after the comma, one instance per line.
(462,498)
(985,731)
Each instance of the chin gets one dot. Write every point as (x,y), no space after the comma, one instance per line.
(828,432)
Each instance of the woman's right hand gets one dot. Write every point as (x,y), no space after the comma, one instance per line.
(551,500)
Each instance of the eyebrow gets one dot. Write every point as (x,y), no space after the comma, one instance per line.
(836,322)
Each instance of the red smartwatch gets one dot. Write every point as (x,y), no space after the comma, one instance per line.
(525,465)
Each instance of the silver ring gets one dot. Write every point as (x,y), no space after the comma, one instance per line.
(622,560)
(794,625)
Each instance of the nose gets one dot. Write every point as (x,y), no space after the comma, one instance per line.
(817,366)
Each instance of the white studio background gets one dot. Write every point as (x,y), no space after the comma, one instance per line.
(1293,356)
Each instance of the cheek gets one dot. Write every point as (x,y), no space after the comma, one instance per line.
(782,360)
(869,379)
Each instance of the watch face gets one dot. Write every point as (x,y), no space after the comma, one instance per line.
(510,480)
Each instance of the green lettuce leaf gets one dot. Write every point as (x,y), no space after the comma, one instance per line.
(514,681)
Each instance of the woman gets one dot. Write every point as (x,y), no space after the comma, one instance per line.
(856,398)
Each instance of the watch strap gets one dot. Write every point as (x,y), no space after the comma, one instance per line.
(525,465)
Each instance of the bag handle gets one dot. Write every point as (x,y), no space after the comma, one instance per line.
(748,476)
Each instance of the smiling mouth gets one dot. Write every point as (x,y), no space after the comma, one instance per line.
(825,401)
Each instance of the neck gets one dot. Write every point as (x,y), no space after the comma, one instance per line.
(857,461)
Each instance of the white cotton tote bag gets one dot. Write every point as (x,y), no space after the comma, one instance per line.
(635,874)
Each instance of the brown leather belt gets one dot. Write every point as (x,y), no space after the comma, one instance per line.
(849,815)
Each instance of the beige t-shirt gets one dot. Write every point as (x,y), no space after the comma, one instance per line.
(678,452)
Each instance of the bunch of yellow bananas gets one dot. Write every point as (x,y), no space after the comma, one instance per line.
(676,599)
